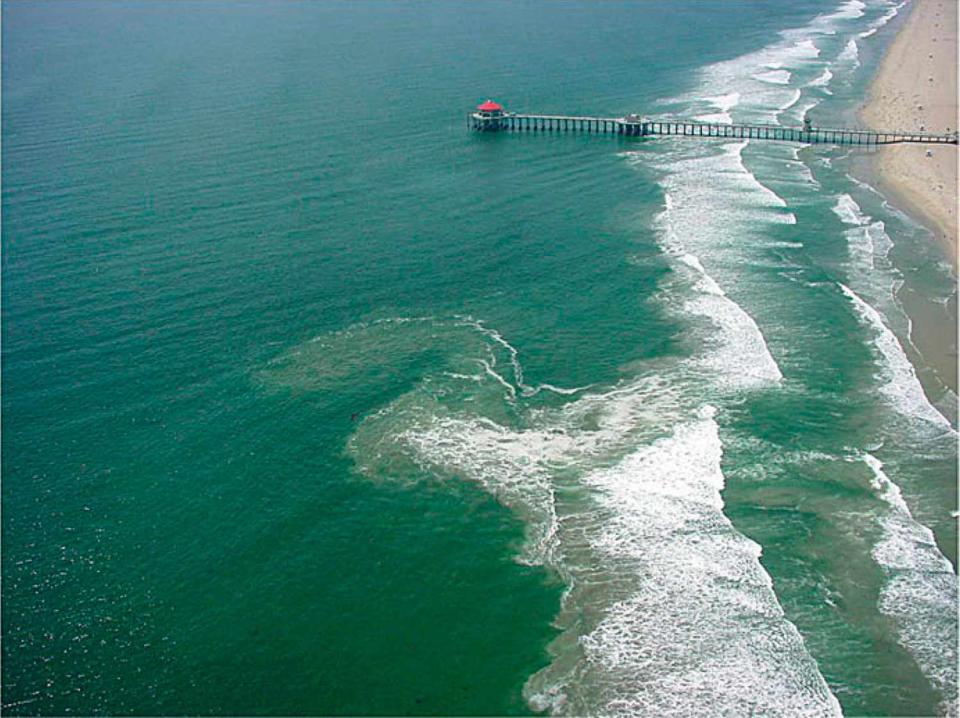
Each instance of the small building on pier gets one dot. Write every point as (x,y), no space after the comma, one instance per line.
(490,109)
(489,116)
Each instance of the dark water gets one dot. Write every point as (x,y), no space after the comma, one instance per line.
(315,403)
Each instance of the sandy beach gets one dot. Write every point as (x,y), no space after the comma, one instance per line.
(916,88)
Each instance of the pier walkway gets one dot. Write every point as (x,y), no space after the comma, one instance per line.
(636,126)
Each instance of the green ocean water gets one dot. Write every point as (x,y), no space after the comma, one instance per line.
(317,403)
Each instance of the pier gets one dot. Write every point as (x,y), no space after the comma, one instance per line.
(491,117)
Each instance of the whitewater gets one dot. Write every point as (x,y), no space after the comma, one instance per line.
(621,490)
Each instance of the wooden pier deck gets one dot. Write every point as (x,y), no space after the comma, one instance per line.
(635,126)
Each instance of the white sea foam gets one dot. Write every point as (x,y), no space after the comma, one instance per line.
(805,172)
(866,239)
(728,173)
(828,23)
(559,389)
(515,466)
(899,214)
(901,385)
(804,49)
(333,357)
(880,241)
(867,243)
(849,211)
(775,77)
(497,338)
(850,55)
(705,284)
(723,103)
(920,593)
(728,650)
(465,377)
(850,10)
(736,355)
(795,115)
(760,80)
(821,80)
(794,99)
(489,370)
(511,466)
(882,20)
(739,356)
(749,179)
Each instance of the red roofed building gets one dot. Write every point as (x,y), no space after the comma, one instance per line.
(490,108)
(489,116)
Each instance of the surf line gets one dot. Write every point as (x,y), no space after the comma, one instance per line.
(664,530)
(920,588)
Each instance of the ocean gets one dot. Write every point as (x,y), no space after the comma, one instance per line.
(316,402)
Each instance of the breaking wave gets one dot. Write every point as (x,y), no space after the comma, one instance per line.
(900,385)
(729,648)
(920,593)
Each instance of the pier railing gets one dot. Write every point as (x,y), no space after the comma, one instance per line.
(634,126)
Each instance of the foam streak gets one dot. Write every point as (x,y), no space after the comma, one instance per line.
(920,593)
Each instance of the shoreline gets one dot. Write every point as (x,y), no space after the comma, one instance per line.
(903,96)
(916,88)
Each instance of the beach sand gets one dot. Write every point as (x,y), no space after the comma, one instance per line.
(916,88)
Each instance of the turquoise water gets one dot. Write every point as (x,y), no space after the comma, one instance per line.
(316,403)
